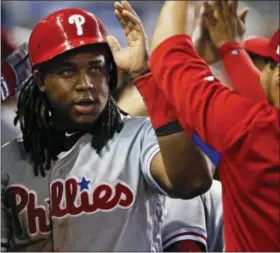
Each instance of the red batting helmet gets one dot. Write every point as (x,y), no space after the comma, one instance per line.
(65,30)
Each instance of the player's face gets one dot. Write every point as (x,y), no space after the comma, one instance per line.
(270,83)
(76,85)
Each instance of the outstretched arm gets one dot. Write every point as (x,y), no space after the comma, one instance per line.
(180,168)
(200,101)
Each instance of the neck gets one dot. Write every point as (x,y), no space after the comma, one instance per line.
(64,125)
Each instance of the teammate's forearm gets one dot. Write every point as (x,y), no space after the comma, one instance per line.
(243,74)
(181,168)
(172,21)
(185,165)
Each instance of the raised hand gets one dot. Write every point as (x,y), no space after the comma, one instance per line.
(134,58)
(203,44)
(223,22)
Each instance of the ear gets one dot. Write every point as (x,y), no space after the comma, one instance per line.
(38,79)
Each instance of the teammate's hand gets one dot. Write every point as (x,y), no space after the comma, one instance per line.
(203,44)
(133,58)
(223,22)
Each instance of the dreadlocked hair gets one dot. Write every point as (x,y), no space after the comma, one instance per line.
(40,138)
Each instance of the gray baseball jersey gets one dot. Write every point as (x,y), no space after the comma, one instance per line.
(199,219)
(86,202)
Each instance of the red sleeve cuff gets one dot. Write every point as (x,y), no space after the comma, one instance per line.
(229,47)
(160,111)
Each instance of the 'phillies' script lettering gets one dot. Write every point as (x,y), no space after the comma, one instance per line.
(66,198)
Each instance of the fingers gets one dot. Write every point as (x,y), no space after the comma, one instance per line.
(127,17)
(120,18)
(225,9)
(241,27)
(118,6)
(243,14)
(113,44)
(128,7)
(130,17)
(218,9)
(209,17)
(234,8)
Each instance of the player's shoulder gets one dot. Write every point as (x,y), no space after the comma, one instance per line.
(136,124)
(12,152)
(135,121)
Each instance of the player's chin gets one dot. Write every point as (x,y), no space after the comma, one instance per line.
(85,119)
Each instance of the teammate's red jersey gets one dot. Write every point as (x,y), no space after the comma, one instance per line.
(244,133)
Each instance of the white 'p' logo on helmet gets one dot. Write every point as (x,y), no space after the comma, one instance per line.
(78,20)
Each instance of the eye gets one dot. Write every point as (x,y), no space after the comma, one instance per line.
(94,70)
(66,71)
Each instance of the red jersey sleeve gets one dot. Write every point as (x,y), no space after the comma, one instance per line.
(199,98)
(243,74)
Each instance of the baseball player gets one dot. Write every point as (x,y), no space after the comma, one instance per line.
(195,224)
(243,132)
(84,176)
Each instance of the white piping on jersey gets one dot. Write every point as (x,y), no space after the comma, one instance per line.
(147,168)
(186,237)
(188,229)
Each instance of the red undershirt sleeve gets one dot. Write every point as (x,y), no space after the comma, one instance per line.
(243,74)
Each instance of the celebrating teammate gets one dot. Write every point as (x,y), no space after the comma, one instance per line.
(244,75)
(245,133)
(85,177)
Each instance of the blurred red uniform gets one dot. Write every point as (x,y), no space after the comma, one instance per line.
(243,132)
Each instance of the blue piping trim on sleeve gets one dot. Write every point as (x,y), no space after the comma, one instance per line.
(212,154)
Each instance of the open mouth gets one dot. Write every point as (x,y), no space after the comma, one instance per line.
(85,106)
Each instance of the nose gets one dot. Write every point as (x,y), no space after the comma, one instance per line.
(85,83)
